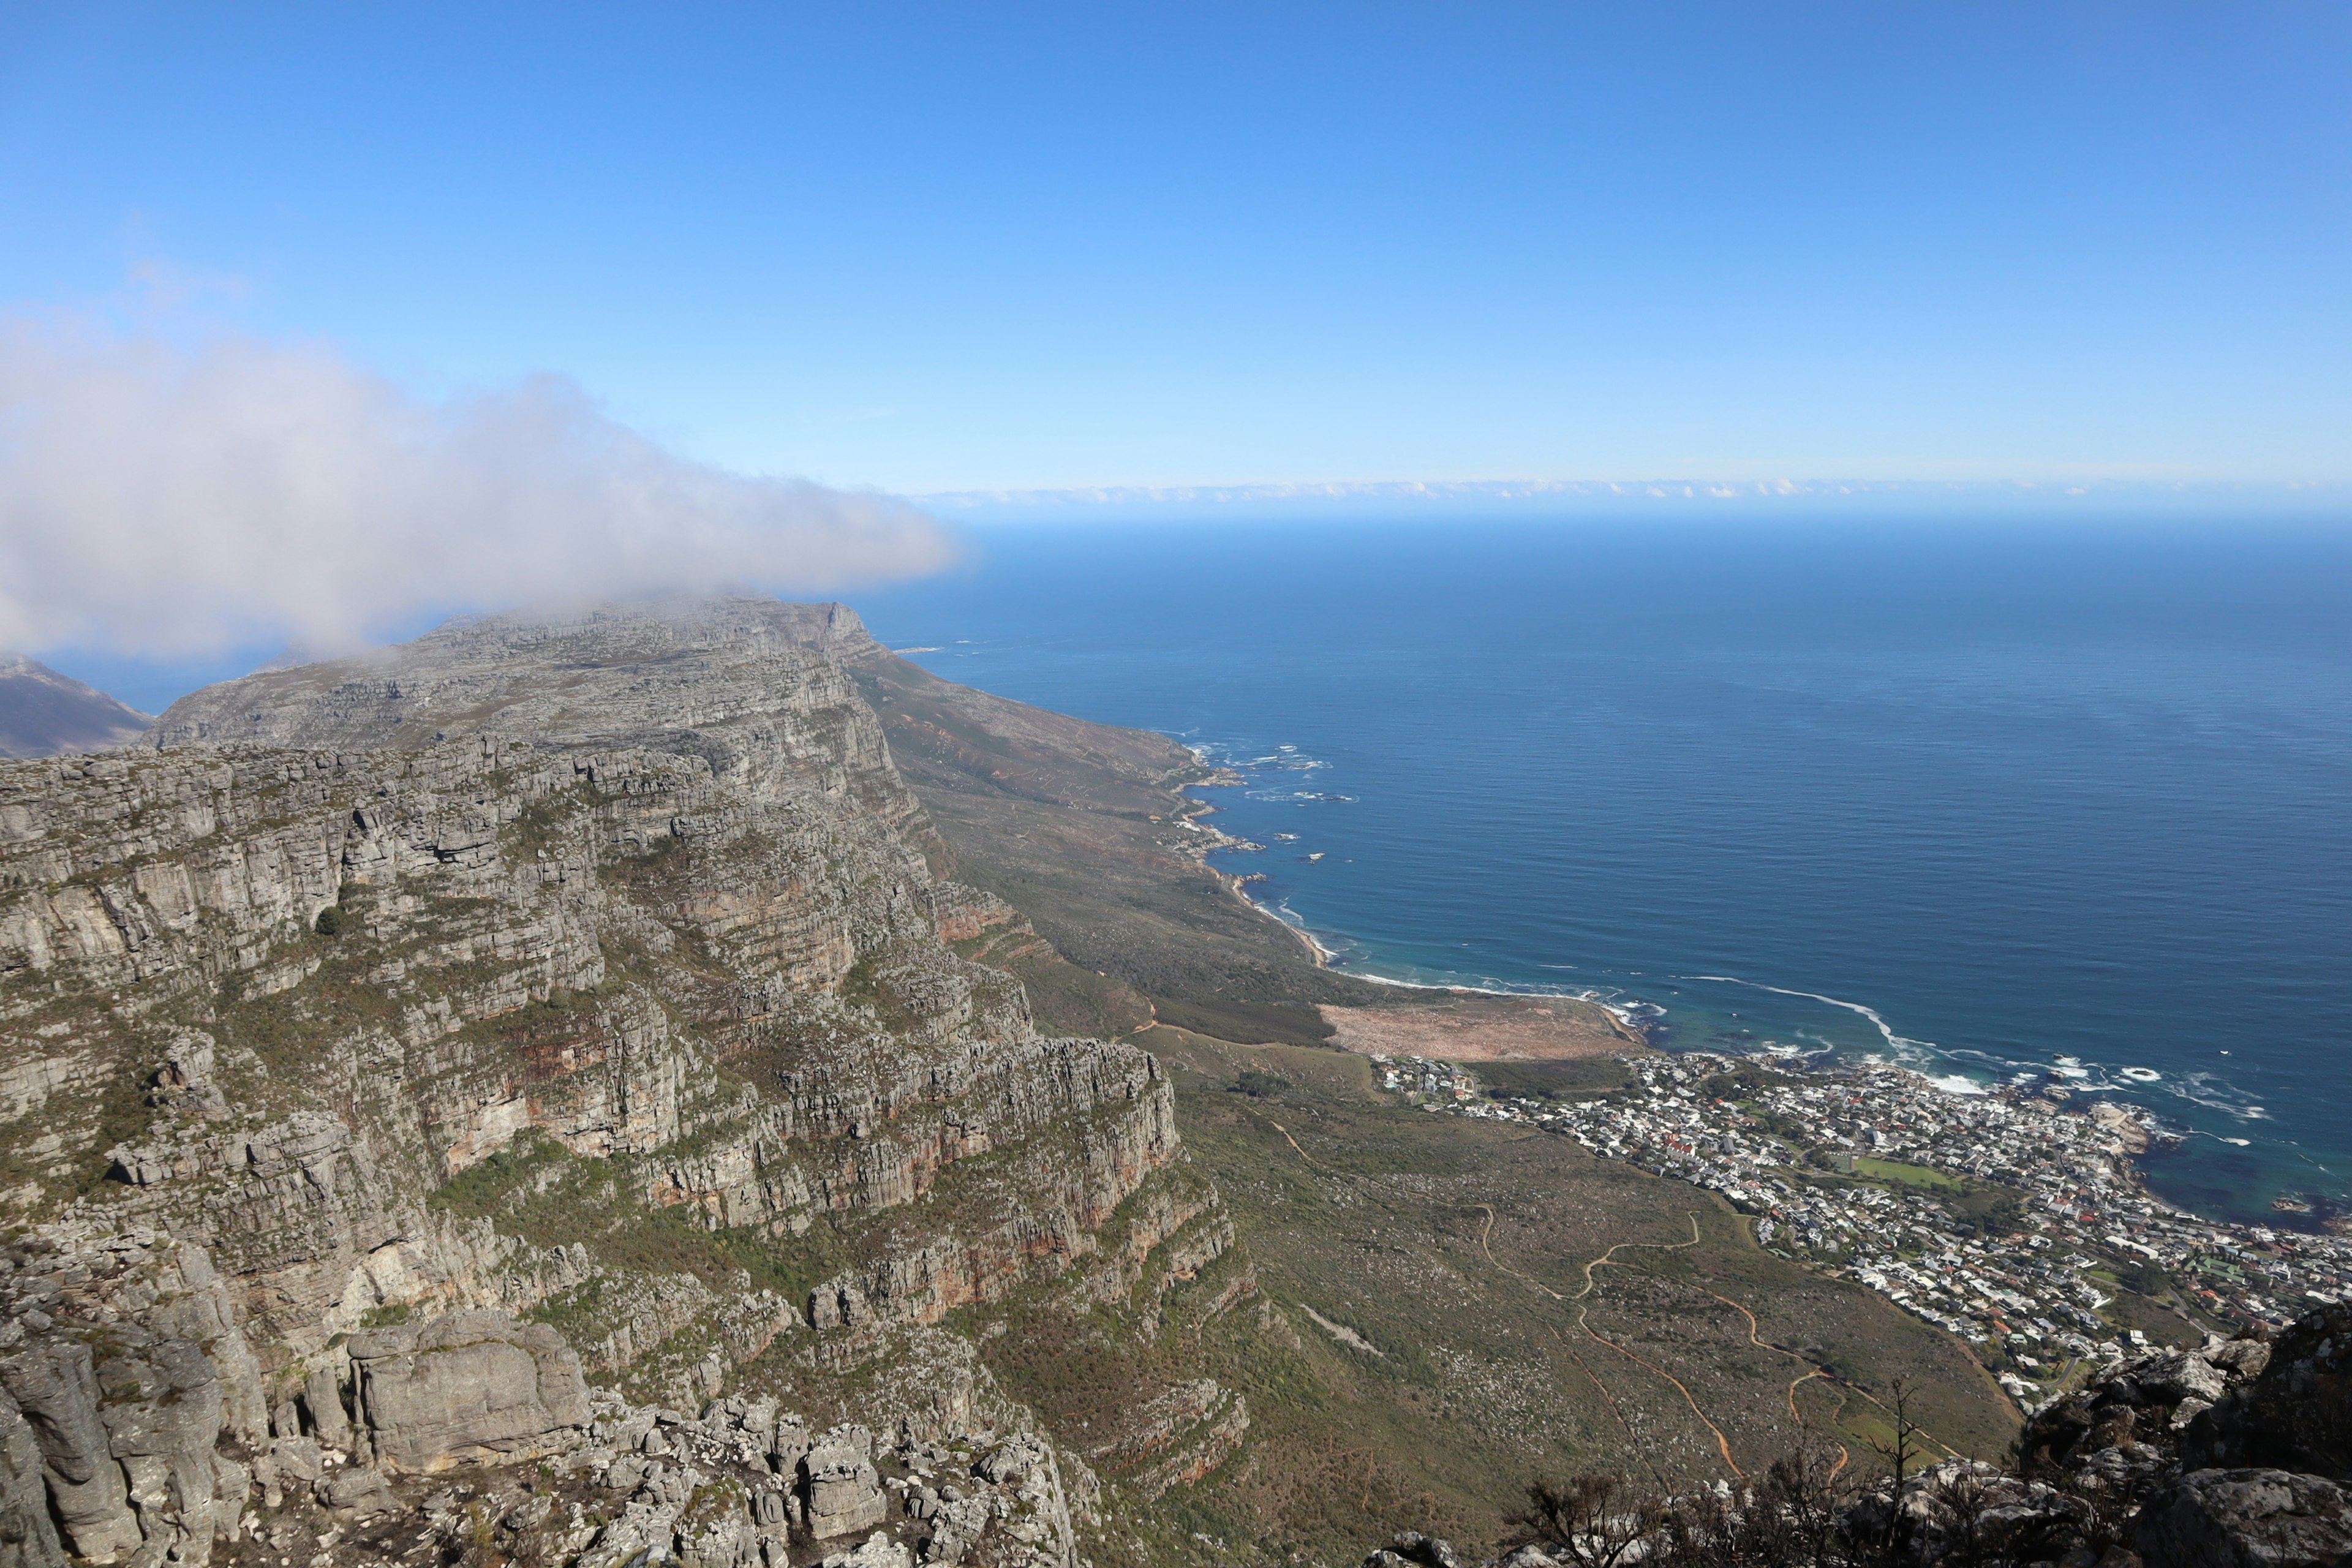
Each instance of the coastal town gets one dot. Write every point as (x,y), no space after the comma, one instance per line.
(2010,1218)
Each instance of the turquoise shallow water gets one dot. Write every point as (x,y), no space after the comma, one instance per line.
(1989,801)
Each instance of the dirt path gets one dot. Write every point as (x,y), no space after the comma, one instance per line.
(1820,1372)
(1608,1260)
(1812,1370)
(1609,1257)
(1721,1441)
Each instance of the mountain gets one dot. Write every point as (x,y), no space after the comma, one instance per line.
(591,974)
(44,714)
(671,1084)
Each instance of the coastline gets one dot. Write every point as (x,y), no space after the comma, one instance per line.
(1706,1026)
(1213,839)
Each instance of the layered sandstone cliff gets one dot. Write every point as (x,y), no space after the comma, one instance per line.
(589,970)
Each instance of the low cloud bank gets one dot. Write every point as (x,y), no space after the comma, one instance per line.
(160,499)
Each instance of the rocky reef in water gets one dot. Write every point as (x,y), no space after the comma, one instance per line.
(509,1099)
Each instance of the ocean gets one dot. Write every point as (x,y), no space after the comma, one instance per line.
(1994,801)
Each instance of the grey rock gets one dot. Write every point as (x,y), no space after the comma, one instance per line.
(56,1388)
(876,1551)
(1426,1550)
(324,1397)
(1011,1462)
(28,1539)
(2295,1415)
(2244,1358)
(2185,1376)
(364,1493)
(163,1415)
(842,1490)
(468,1386)
(2245,1518)
(297,1459)
(719,1533)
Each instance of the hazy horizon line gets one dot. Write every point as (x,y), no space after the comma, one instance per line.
(2064,493)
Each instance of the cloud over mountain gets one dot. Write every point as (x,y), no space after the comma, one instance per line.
(163,499)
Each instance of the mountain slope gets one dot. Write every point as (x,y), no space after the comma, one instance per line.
(593,971)
(1080,826)
(45,714)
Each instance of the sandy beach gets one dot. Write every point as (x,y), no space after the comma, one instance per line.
(1469,1026)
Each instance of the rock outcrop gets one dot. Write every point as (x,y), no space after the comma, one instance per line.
(467,1386)
(2246,1519)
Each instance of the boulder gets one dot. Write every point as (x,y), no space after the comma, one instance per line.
(2241,1358)
(1426,1550)
(2186,1375)
(842,1489)
(1013,1462)
(467,1387)
(2245,1518)
(877,1551)
(363,1493)
(324,1397)
(2295,1414)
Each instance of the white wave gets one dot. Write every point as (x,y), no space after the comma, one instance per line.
(2143,1075)
(2203,1089)
(1898,1043)
(1953,1083)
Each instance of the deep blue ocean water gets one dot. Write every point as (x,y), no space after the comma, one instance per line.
(1990,800)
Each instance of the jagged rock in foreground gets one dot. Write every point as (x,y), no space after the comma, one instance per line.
(419,1075)
(2234,1454)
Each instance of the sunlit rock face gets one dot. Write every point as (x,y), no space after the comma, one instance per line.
(366,1002)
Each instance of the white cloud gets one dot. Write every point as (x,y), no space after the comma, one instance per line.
(163,500)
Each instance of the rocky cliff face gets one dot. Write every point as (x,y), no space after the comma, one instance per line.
(591,971)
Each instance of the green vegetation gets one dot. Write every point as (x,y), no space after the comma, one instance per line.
(1455,1250)
(1248,1022)
(537,1189)
(1056,816)
(1899,1174)
(1584,1077)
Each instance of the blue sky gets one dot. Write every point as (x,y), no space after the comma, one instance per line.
(964,247)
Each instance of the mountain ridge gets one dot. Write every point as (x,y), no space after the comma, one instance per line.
(44,713)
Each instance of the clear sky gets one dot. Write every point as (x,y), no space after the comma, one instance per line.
(935,247)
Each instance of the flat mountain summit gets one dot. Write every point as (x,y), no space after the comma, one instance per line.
(45,714)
